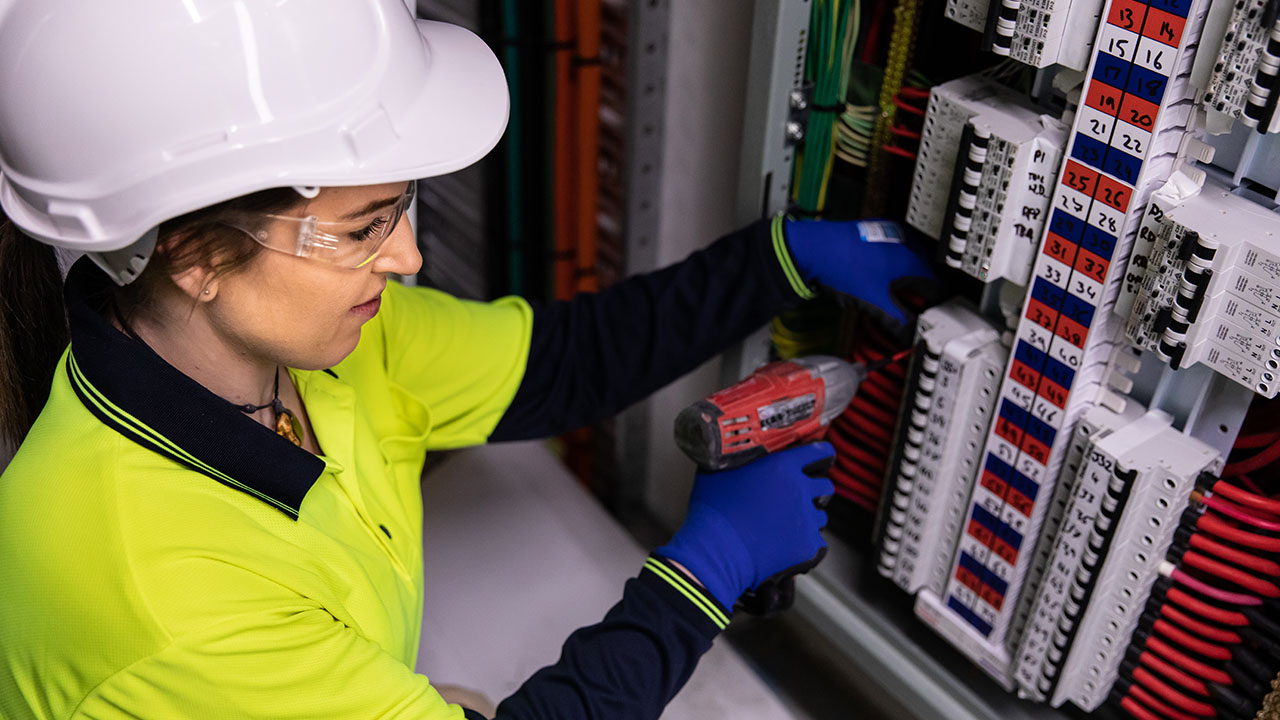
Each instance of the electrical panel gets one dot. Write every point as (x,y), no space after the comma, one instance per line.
(1080,492)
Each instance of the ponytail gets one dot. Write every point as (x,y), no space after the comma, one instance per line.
(33,330)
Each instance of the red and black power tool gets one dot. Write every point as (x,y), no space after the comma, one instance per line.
(780,405)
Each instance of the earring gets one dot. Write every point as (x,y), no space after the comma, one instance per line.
(206,292)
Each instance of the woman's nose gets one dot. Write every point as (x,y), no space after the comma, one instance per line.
(399,254)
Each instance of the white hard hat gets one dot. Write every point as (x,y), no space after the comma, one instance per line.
(116,115)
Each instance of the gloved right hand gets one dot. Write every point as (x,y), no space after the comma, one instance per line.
(754,522)
(865,259)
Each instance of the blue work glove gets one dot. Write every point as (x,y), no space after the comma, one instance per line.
(862,258)
(750,523)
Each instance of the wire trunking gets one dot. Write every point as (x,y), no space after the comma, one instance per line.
(1069,497)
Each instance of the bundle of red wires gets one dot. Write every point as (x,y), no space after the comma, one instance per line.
(1209,646)
(863,434)
(908,122)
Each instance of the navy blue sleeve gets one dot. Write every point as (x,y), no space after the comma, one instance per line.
(629,665)
(595,355)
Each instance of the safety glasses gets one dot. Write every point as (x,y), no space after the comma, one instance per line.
(348,243)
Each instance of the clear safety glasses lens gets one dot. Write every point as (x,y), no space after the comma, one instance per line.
(349,244)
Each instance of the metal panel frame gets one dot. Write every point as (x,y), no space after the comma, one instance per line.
(646,110)
(765,164)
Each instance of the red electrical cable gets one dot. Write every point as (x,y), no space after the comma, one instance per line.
(913,93)
(872,42)
(1205,630)
(1156,663)
(1157,704)
(1215,525)
(1190,642)
(863,433)
(871,477)
(1208,590)
(1166,711)
(859,436)
(1255,441)
(900,356)
(895,372)
(1244,497)
(1135,709)
(841,480)
(869,469)
(905,132)
(867,479)
(1239,557)
(1191,665)
(855,497)
(887,383)
(1187,709)
(1205,610)
(876,414)
(898,151)
(879,394)
(1230,574)
(873,441)
(1244,515)
(1249,484)
(1263,458)
(853,452)
(855,422)
(901,105)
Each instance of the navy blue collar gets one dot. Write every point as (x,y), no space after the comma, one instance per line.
(129,387)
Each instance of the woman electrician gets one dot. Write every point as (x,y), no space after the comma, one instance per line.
(214,507)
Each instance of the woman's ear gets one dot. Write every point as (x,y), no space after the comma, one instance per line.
(198,281)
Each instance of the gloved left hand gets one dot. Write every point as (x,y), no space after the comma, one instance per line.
(754,522)
(862,258)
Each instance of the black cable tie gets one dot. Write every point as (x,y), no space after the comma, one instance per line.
(827,108)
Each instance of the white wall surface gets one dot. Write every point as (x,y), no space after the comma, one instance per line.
(516,557)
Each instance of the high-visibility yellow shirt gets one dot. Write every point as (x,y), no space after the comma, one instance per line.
(162,555)
(157,557)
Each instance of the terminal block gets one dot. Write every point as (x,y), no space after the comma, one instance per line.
(954,378)
(988,158)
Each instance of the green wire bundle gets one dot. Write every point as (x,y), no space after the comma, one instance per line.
(833,32)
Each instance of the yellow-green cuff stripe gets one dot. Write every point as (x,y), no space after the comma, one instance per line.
(689,590)
(784,259)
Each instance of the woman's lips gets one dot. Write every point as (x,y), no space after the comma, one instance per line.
(368,309)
